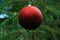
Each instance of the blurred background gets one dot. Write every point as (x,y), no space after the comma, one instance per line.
(10,29)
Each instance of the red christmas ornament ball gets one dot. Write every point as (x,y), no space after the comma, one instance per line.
(30,17)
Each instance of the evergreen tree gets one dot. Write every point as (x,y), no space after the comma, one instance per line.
(10,29)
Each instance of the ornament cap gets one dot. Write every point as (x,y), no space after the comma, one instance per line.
(29,5)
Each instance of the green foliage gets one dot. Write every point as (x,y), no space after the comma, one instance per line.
(10,29)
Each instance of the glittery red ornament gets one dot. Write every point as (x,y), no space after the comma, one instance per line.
(30,17)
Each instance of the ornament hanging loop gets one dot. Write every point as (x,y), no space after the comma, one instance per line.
(30,2)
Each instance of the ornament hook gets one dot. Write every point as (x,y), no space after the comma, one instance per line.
(30,2)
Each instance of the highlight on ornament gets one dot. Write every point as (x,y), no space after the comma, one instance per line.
(30,17)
